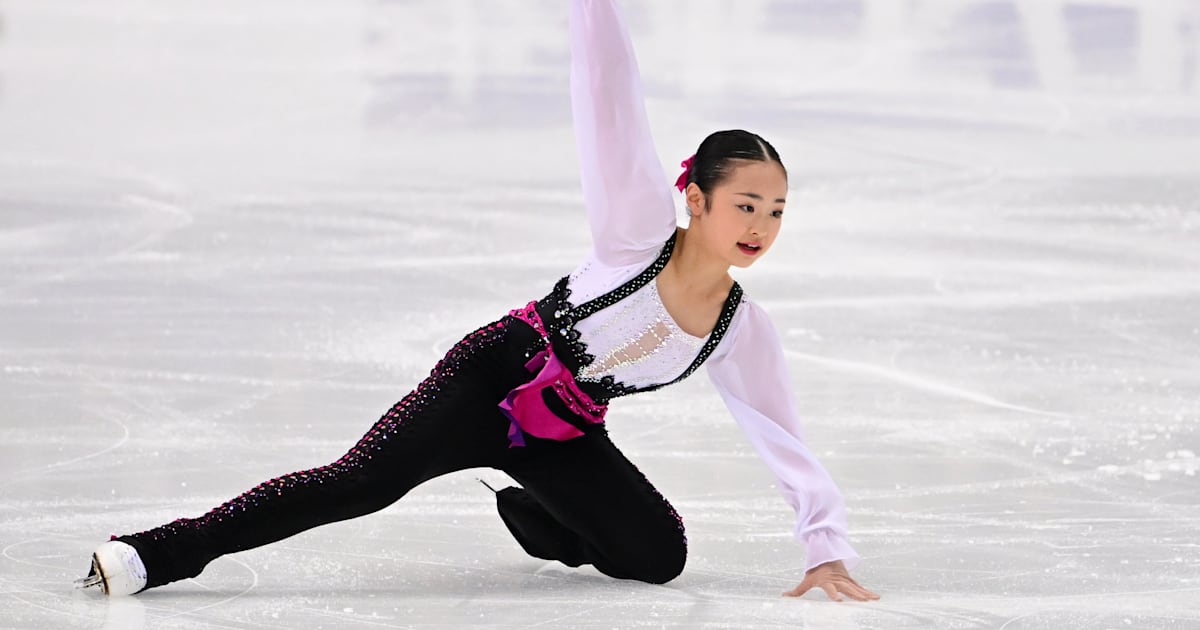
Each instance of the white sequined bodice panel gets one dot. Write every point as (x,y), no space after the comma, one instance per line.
(634,340)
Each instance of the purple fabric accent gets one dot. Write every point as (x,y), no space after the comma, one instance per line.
(524,406)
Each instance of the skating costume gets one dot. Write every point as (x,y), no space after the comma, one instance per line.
(527,393)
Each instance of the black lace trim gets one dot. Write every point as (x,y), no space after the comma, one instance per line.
(562,318)
(590,307)
(723,321)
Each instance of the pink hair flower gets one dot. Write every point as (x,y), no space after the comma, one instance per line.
(681,183)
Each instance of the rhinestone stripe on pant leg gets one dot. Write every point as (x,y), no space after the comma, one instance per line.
(405,447)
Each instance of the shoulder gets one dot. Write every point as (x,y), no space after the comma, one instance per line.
(751,326)
(749,311)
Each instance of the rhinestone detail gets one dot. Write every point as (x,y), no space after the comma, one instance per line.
(387,429)
(566,316)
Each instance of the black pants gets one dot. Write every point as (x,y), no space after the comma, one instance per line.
(583,502)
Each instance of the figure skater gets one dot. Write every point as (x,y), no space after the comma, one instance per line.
(527,393)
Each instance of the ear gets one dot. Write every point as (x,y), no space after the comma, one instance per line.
(695,197)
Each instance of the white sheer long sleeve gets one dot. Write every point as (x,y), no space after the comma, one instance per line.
(751,374)
(626,192)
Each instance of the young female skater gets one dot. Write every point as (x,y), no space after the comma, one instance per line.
(527,393)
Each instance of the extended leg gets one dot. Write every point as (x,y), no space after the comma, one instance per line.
(449,422)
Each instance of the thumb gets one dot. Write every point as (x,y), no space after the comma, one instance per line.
(800,589)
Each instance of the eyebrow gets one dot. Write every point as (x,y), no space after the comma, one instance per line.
(759,197)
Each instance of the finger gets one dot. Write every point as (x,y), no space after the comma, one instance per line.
(831,592)
(866,592)
(801,589)
(848,591)
(868,595)
(864,589)
(859,593)
(852,591)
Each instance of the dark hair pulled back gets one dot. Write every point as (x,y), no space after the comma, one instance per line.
(715,158)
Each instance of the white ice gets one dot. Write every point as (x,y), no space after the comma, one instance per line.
(233,233)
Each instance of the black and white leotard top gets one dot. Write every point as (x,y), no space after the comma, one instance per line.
(632,342)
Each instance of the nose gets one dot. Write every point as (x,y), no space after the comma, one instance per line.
(759,227)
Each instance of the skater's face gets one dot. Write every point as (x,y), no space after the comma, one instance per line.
(744,210)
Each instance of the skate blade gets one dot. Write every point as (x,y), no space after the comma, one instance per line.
(94,578)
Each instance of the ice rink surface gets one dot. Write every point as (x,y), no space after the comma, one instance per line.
(233,234)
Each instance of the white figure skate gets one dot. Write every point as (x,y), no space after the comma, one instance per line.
(116,568)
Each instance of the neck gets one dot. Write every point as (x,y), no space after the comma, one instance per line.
(696,270)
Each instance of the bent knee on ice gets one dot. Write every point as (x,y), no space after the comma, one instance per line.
(654,561)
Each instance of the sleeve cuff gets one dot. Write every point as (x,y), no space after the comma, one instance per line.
(824,546)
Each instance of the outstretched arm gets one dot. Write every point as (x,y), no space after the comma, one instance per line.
(752,378)
(627,195)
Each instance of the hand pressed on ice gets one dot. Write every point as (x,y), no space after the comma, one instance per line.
(832,577)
